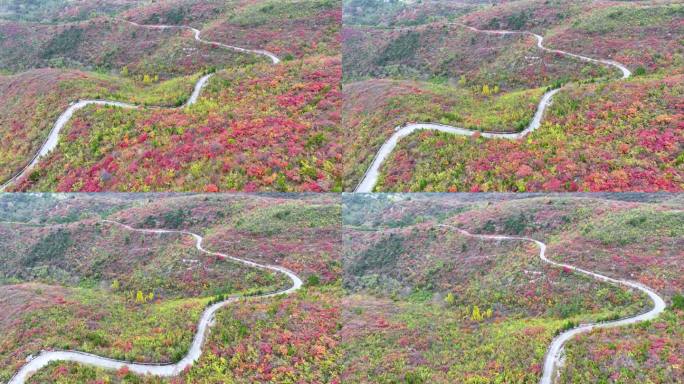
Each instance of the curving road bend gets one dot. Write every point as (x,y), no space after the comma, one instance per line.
(206,321)
(370,178)
(53,137)
(198,37)
(554,354)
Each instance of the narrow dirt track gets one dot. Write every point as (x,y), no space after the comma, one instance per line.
(206,321)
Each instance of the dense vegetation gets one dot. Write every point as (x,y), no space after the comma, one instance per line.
(34,100)
(256,127)
(88,285)
(235,138)
(388,296)
(426,304)
(599,134)
(391,13)
(47,11)
(286,340)
(617,137)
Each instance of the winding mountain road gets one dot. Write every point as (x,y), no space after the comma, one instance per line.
(195,351)
(370,178)
(554,355)
(53,137)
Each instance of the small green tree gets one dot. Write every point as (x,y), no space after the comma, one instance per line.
(450,299)
(476,316)
(678,301)
(139,298)
(462,81)
(313,280)
(485,90)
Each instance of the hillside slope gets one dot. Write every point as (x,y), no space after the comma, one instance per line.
(427,304)
(420,60)
(71,280)
(291,108)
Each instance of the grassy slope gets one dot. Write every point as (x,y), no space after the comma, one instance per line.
(52,11)
(285,340)
(413,333)
(303,27)
(400,13)
(635,34)
(108,45)
(449,50)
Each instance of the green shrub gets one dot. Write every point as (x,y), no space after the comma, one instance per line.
(399,49)
(516,224)
(566,326)
(622,228)
(175,16)
(53,246)
(384,254)
(97,339)
(64,42)
(419,376)
(489,227)
(678,301)
(313,280)
(517,21)
(174,219)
